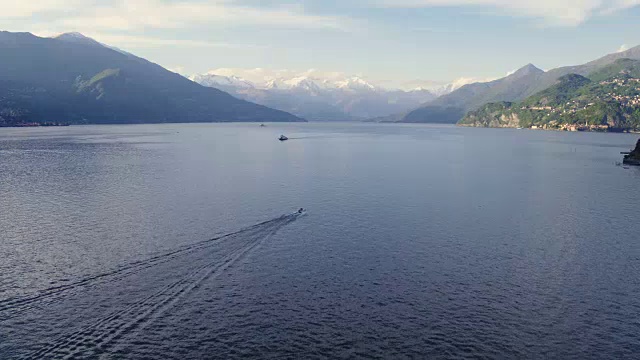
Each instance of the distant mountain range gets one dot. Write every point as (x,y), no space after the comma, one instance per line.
(523,83)
(77,80)
(74,79)
(346,98)
(607,99)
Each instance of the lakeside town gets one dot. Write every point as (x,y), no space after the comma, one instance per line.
(621,93)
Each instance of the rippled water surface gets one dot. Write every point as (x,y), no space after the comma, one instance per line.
(180,241)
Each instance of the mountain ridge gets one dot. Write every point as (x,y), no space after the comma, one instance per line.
(45,89)
(525,83)
(607,99)
(339,99)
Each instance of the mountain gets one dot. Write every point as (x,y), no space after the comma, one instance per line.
(346,98)
(607,99)
(223,83)
(440,90)
(78,38)
(74,79)
(514,87)
(356,84)
(451,107)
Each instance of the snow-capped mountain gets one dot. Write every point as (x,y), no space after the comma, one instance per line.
(444,89)
(321,99)
(213,80)
(304,83)
(275,84)
(355,84)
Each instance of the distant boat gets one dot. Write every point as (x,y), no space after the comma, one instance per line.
(262,125)
(283,138)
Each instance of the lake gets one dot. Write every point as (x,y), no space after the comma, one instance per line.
(181,241)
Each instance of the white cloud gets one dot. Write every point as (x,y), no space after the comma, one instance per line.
(623,47)
(460,82)
(552,12)
(420,84)
(262,76)
(128,15)
(157,23)
(26,9)
(152,42)
(177,69)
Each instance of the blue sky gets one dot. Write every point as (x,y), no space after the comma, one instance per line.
(389,41)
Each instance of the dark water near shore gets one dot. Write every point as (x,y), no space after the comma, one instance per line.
(178,241)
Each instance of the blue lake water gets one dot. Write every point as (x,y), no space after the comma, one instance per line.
(178,241)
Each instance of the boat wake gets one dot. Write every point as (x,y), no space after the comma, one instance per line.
(127,299)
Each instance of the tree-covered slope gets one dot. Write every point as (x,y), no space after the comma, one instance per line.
(76,80)
(609,99)
(452,107)
(513,88)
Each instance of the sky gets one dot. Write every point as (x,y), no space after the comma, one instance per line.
(401,43)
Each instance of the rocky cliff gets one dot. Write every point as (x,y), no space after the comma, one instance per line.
(634,157)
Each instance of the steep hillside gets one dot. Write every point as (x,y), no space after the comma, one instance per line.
(515,87)
(74,79)
(609,100)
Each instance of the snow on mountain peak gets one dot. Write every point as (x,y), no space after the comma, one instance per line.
(440,89)
(275,84)
(355,83)
(213,80)
(313,94)
(306,83)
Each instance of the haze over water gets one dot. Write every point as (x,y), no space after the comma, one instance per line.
(179,241)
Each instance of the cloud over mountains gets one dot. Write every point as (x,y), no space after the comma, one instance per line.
(551,12)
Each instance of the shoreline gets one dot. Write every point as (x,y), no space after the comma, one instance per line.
(35,125)
(599,130)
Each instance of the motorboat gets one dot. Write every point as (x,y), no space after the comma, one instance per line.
(283,138)
(262,125)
